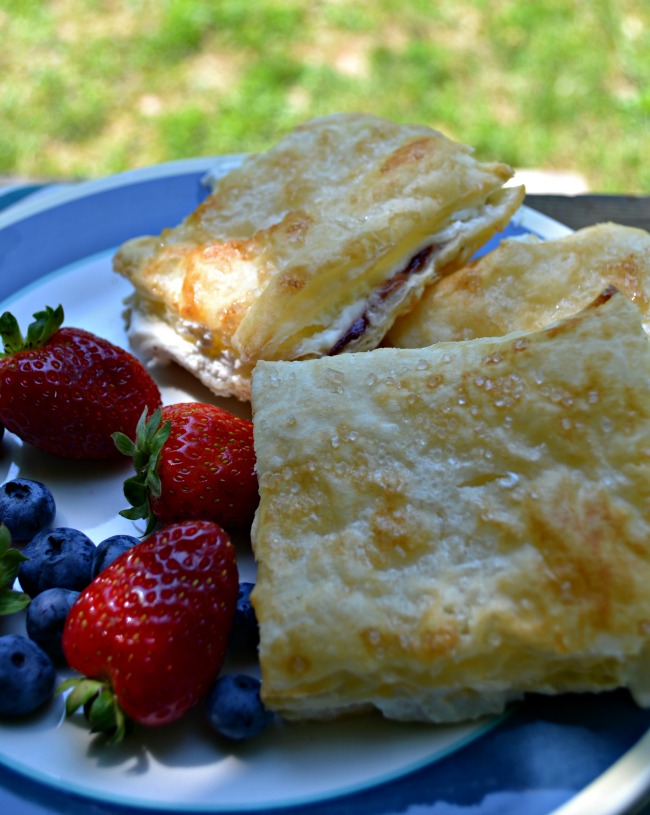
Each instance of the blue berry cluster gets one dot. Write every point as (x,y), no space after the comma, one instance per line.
(54,565)
(234,706)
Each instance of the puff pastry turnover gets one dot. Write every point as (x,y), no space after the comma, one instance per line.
(525,284)
(443,530)
(312,248)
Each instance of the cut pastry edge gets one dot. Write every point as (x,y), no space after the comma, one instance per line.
(154,338)
(155,332)
(362,325)
(442,706)
(525,283)
(448,705)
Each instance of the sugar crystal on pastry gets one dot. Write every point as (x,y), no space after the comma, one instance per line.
(442,530)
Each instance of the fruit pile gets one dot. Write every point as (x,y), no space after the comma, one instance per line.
(144,624)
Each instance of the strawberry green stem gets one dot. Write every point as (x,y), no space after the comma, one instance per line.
(10,560)
(99,704)
(150,437)
(45,324)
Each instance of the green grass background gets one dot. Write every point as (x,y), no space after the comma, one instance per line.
(93,87)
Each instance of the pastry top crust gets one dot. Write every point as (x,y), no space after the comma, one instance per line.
(525,284)
(443,529)
(284,254)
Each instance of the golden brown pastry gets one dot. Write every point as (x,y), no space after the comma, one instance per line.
(525,284)
(445,529)
(312,248)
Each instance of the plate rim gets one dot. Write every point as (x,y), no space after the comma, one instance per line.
(51,197)
(56,195)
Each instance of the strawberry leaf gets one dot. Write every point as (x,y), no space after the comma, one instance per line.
(45,324)
(9,564)
(81,690)
(135,492)
(10,333)
(10,560)
(106,716)
(150,437)
(101,711)
(12,601)
(124,444)
(99,704)
(5,539)
(153,482)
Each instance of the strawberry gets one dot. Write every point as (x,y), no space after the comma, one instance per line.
(65,390)
(149,634)
(193,461)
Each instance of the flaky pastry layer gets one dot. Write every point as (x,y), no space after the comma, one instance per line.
(442,530)
(525,284)
(314,247)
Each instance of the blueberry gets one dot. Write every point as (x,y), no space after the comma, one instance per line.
(26,507)
(234,707)
(56,558)
(244,634)
(109,549)
(46,616)
(27,676)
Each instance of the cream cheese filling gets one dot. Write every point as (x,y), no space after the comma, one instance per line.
(444,245)
(158,331)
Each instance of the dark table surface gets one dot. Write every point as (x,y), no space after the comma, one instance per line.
(577,211)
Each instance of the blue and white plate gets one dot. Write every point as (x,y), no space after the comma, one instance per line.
(569,755)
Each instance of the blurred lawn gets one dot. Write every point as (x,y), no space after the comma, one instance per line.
(92,87)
